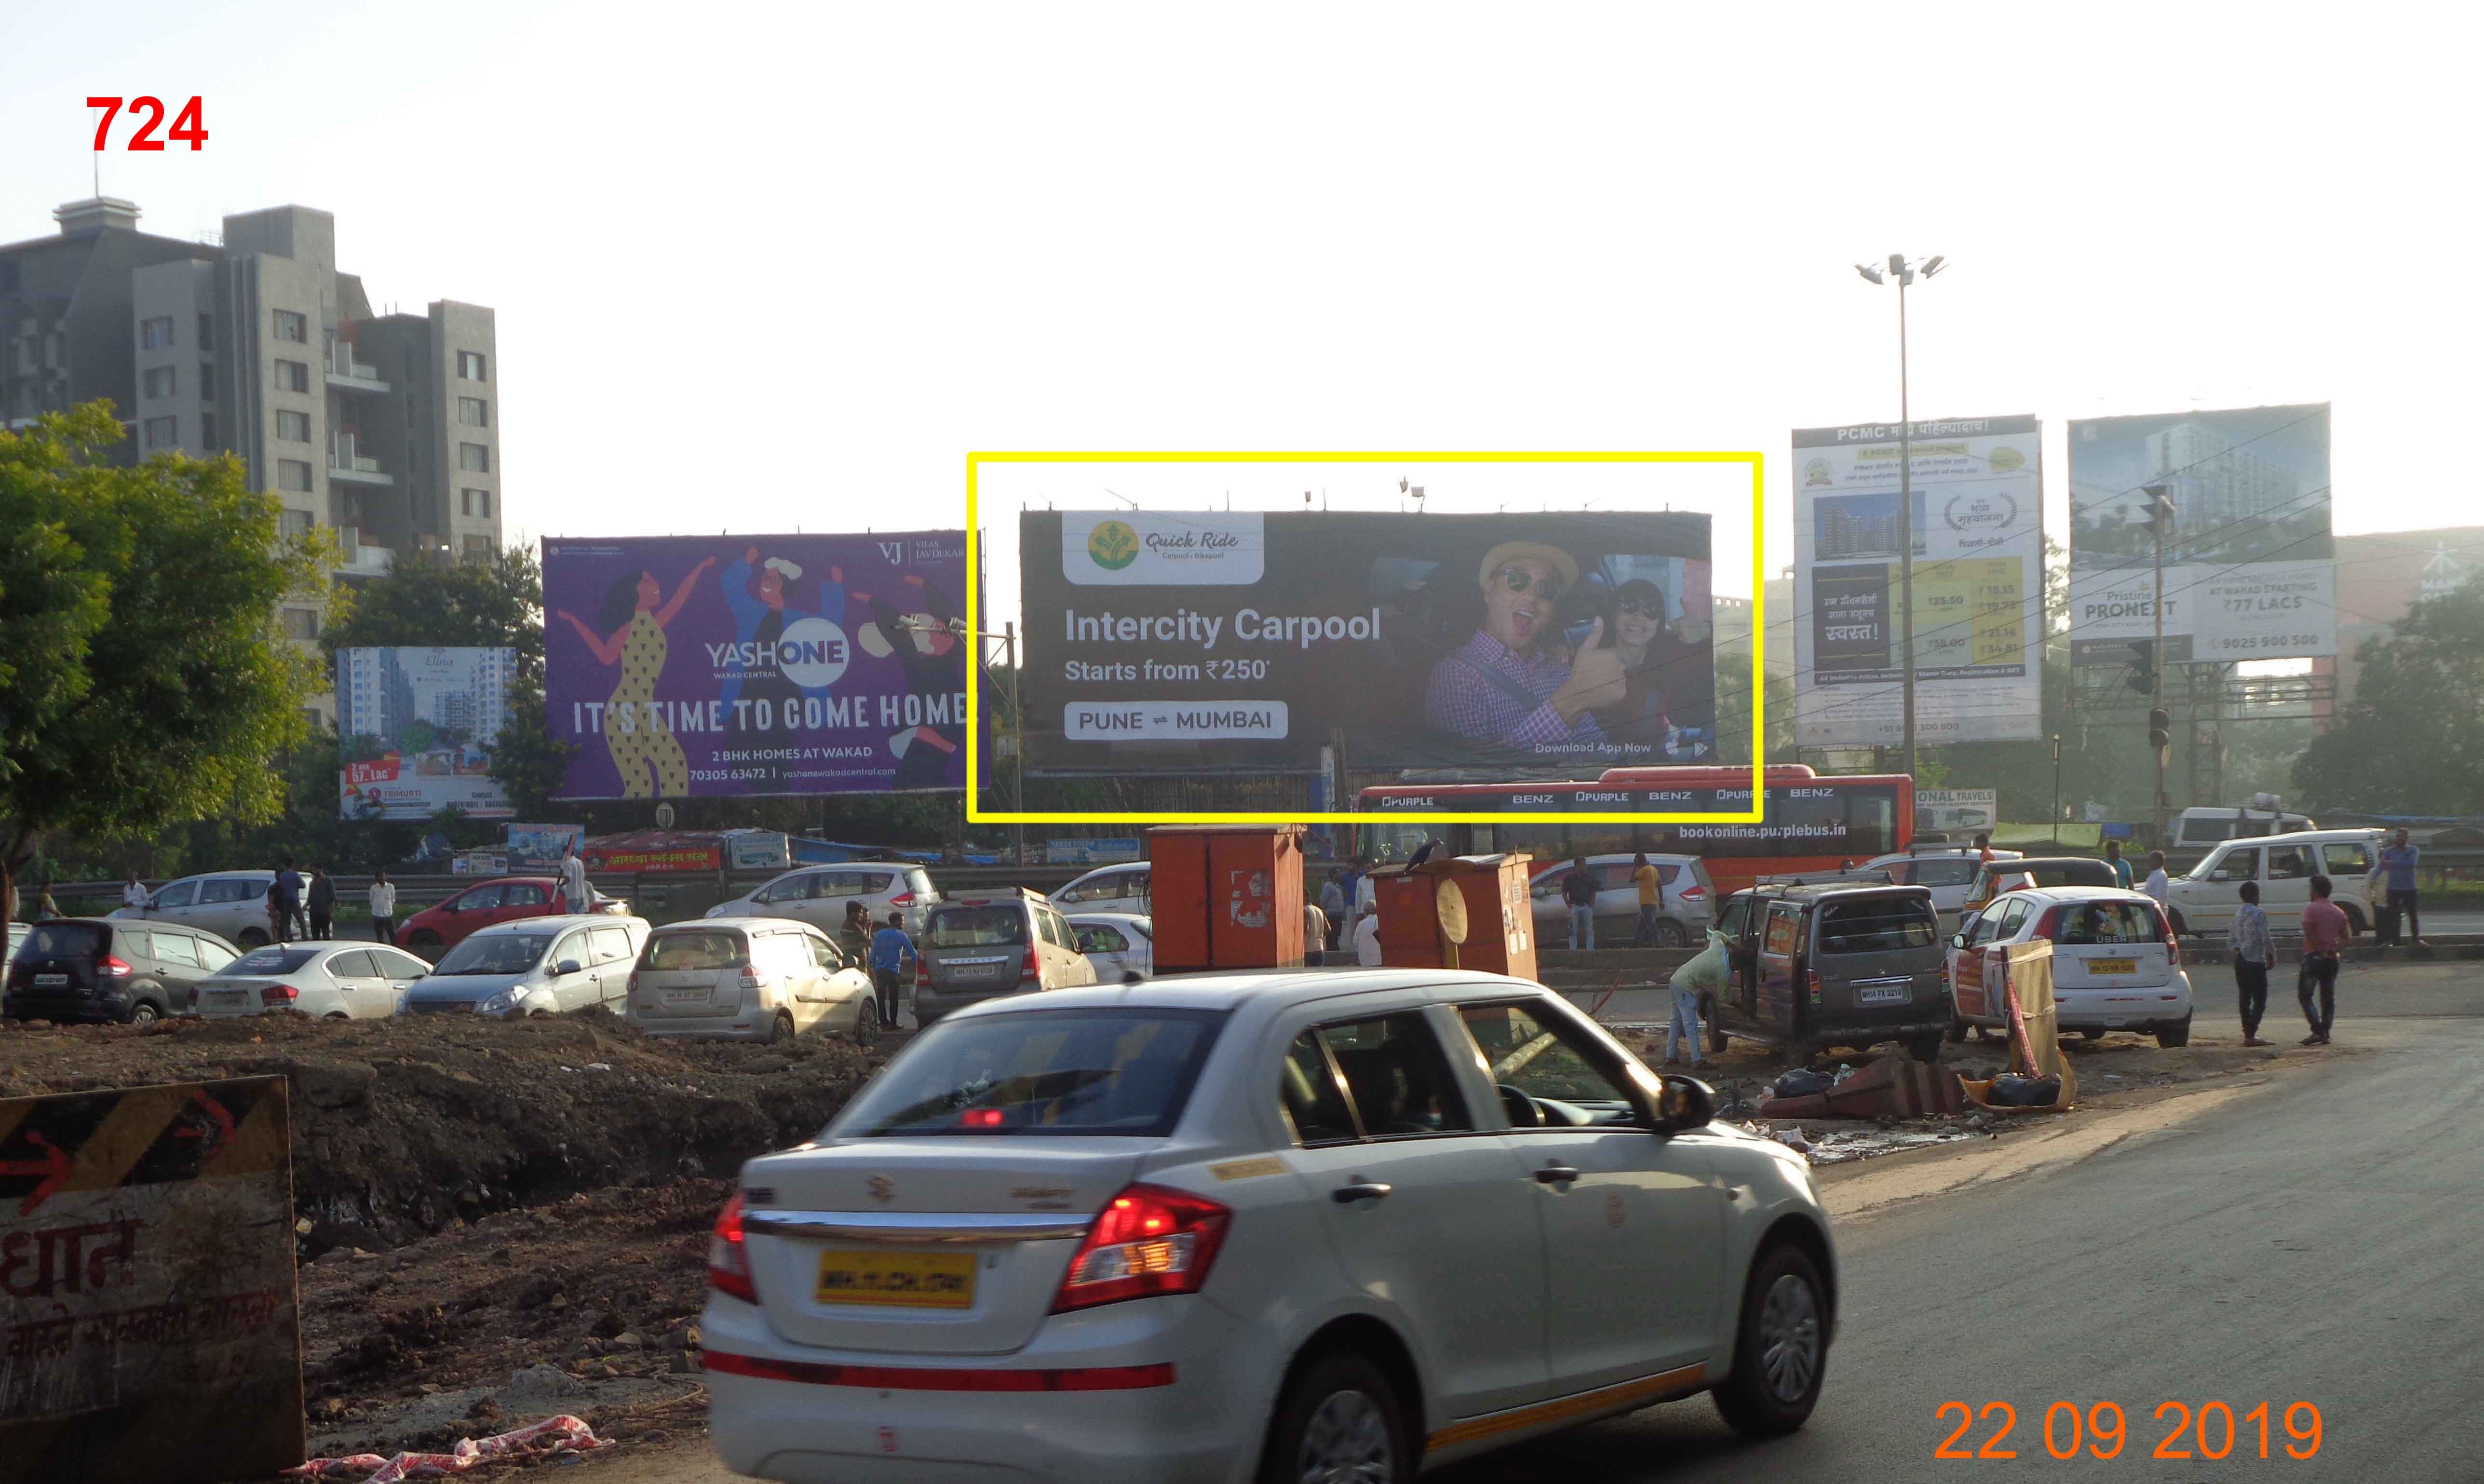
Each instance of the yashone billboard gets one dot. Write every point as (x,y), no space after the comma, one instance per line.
(697,666)
(1176,641)
(417,727)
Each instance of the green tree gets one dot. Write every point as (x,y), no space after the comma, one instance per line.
(145,679)
(2407,743)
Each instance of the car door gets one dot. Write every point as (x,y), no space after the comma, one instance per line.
(474,907)
(1616,891)
(1393,1158)
(360,989)
(573,991)
(2285,882)
(2348,865)
(177,967)
(612,962)
(177,901)
(1976,987)
(817,897)
(1632,1224)
(1735,922)
(1105,948)
(396,971)
(523,899)
(2208,897)
(1777,1005)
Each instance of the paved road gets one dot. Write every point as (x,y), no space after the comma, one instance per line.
(2313,1242)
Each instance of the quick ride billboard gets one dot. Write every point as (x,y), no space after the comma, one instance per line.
(1176,640)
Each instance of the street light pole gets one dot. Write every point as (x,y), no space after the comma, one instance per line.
(2057,788)
(2157,510)
(1905,273)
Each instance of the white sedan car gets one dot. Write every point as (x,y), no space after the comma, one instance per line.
(2117,965)
(338,981)
(1302,1225)
(1116,943)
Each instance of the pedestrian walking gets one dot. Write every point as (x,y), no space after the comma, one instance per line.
(1651,899)
(2122,873)
(2325,930)
(135,896)
(1315,933)
(1367,938)
(321,902)
(2398,860)
(572,879)
(1578,890)
(891,951)
(2254,950)
(383,894)
(2159,885)
(1706,972)
(1333,902)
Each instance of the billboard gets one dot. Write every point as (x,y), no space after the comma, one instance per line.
(700,666)
(1172,641)
(416,728)
(2249,570)
(1978,536)
(1966,811)
(539,847)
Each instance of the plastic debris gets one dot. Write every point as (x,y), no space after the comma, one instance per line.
(1803,1082)
(2012,1091)
(562,1434)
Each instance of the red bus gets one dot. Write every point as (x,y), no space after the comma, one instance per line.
(1811,823)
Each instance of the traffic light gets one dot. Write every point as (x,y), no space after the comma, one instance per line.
(2160,508)
(2160,728)
(2142,674)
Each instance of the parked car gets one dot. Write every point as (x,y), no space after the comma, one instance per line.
(2117,965)
(1124,887)
(2024,871)
(437,928)
(232,905)
(338,981)
(1263,1226)
(2198,830)
(762,979)
(1689,900)
(2283,865)
(1949,871)
(1115,943)
(817,895)
(1849,963)
(534,966)
(96,968)
(976,948)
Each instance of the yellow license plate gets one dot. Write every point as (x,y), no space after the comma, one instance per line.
(2113,965)
(897,1279)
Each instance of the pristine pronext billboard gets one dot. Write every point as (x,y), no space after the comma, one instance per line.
(416,728)
(2249,570)
(1177,641)
(695,667)
(1979,582)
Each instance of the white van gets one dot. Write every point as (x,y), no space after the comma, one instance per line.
(2200,830)
(2283,865)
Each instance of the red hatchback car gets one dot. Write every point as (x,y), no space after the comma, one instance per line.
(436,930)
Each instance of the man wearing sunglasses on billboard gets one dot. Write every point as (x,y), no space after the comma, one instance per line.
(1511,686)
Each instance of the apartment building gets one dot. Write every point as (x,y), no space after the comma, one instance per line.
(383,427)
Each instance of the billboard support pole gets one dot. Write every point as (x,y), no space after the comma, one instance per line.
(1905,520)
(1017,733)
(2157,512)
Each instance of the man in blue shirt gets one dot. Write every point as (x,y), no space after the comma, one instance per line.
(2122,872)
(2254,950)
(891,951)
(2398,858)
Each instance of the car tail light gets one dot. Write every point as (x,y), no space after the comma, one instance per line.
(1029,967)
(110,967)
(279,994)
(2173,942)
(1815,986)
(2050,924)
(751,978)
(1692,894)
(1147,1240)
(728,1259)
(901,899)
(922,975)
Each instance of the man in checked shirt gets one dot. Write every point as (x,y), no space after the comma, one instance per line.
(2254,951)
(1510,685)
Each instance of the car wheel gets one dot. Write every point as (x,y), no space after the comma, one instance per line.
(336,1014)
(144,1012)
(866,1031)
(2355,924)
(1926,1048)
(1715,1028)
(1671,934)
(1340,1419)
(252,937)
(2091,1033)
(2177,1035)
(1781,1350)
(779,1029)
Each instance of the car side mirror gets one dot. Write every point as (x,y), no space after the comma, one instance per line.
(1957,940)
(566,967)
(1685,1103)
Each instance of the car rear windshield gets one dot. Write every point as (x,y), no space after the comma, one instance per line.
(681,951)
(274,958)
(64,940)
(1877,924)
(499,952)
(976,926)
(1118,1072)
(2061,873)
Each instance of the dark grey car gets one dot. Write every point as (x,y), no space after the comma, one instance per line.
(1835,965)
(90,968)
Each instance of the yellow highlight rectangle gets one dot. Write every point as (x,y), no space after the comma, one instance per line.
(976,814)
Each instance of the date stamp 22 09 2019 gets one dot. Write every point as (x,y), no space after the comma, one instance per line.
(2212,1430)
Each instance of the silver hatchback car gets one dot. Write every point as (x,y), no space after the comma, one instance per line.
(232,905)
(534,966)
(749,979)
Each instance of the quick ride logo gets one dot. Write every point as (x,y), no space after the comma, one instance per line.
(1112,544)
(1163,548)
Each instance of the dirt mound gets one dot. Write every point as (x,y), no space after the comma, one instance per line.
(404,1126)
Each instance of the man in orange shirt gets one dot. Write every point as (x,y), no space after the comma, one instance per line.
(2325,931)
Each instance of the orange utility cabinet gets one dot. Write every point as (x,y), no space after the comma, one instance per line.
(1227,896)
(1501,917)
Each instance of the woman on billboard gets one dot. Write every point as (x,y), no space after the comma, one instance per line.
(1657,664)
(634,732)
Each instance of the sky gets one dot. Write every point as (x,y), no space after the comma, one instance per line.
(763,266)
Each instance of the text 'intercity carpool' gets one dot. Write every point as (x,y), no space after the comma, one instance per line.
(1250,627)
